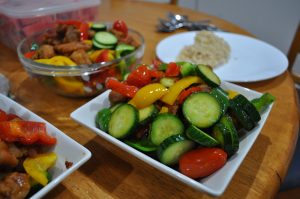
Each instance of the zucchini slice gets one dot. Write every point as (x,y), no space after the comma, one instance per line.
(200,137)
(98,27)
(187,69)
(123,49)
(105,38)
(148,113)
(225,132)
(202,109)
(101,46)
(163,126)
(172,148)
(222,97)
(240,115)
(248,107)
(123,121)
(143,145)
(207,74)
(102,119)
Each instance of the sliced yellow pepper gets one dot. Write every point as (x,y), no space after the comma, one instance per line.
(93,56)
(147,95)
(179,86)
(70,84)
(164,109)
(232,94)
(37,166)
(57,61)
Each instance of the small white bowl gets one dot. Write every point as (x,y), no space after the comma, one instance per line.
(65,148)
(214,184)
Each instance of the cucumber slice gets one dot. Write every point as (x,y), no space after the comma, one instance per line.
(114,107)
(123,49)
(222,97)
(163,126)
(173,148)
(208,76)
(148,113)
(187,69)
(248,107)
(202,109)
(123,121)
(200,137)
(98,27)
(225,132)
(102,119)
(240,115)
(105,38)
(101,46)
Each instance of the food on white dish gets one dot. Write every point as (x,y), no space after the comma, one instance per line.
(208,49)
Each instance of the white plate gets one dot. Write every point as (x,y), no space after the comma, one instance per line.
(216,183)
(250,59)
(65,148)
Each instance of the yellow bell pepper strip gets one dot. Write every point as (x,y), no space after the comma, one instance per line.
(232,94)
(147,95)
(164,109)
(57,61)
(36,167)
(70,84)
(93,56)
(177,87)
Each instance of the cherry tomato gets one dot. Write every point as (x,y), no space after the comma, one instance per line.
(120,26)
(202,162)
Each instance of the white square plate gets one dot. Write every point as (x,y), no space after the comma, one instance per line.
(65,148)
(214,184)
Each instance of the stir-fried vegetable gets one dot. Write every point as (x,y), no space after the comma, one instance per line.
(182,115)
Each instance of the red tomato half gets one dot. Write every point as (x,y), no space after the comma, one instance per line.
(121,26)
(202,162)
(173,70)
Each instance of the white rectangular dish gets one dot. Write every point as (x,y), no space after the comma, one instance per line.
(66,148)
(214,184)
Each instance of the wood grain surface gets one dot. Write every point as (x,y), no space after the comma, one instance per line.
(112,173)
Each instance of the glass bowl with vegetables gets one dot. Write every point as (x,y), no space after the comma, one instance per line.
(74,58)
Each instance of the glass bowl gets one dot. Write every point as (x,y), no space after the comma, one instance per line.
(82,80)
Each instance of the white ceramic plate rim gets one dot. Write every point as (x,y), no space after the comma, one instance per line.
(250,59)
(85,154)
(86,114)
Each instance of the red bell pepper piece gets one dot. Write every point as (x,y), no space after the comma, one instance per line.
(185,93)
(121,88)
(173,70)
(157,74)
(29,54)
(139,77)
(84,31)
(25,132)
(3,116)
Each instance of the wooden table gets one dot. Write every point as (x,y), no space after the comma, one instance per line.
(112,173)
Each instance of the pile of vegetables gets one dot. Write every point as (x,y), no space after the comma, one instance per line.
(178,114)
(74,43)
(23,155)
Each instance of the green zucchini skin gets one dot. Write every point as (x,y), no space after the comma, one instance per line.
(163,126)
(248,107)
(208,76)
(200,137)
(147,114)
(101,46)
(102,119)
(202,109)
(172,148)
(123,121)
(222,97)
(143,145)
(98,27)
(225,132)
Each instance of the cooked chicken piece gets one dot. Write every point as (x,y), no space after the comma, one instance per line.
(115,97)
(71,34)
(6,157)
(70,47)
(45,52)
(15,185)
(125,39)
(80,57)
